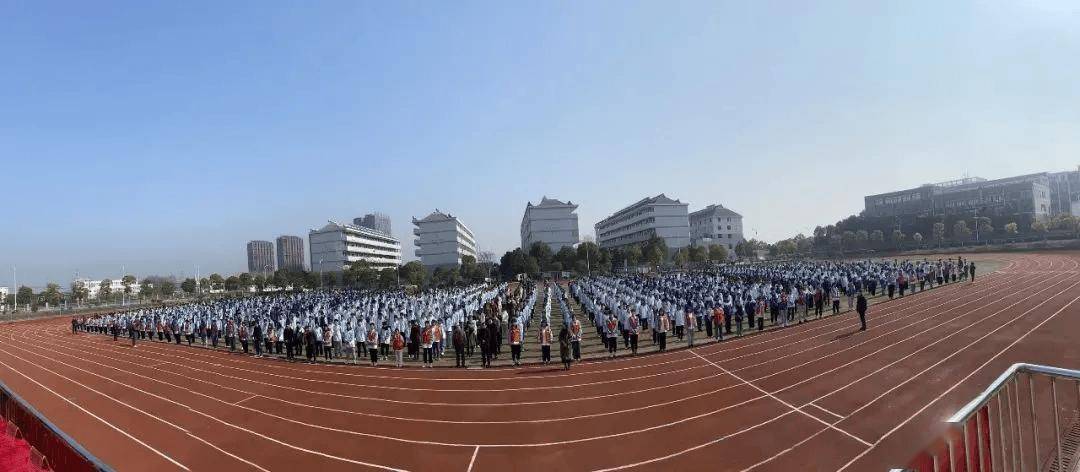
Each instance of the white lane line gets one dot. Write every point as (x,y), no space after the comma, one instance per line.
(825,410)
(246,399)
(96,417)
(957,384)
(774,397)
(198,412)
(473,460)
(913,336)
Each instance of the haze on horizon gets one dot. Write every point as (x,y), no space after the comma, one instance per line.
(161,137)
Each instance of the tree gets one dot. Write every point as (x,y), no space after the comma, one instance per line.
(939,232)
(232,283)
(388,278)
(412,273)
(588,256)
(542,252)
(203,284)
(258,281)
(567,256)
(1011,229)
(330,279)
(655,251)
(104,289)
(1039,228)
(698,254)
(821,236)
(877,237)
(146,287)
(128,281)
(897,237)
(167,288)
(983,226)
(633,255)
(26,295)
(52,294)
(79,291)
(785,247)
(861,237)
(188,285)
(360,274)
(848,239)
(718,252)
(245,281)
(217,281)
(961,230)
(681,257)
(917,237)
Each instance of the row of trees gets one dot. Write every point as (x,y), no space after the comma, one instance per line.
(588,257)
(958,230)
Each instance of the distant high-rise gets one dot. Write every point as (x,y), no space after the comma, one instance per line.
(260,256)
(442,239)
(655,216)
(377,221)
(551,222)
(290,253)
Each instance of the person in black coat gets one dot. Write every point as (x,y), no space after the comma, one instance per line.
(860,306)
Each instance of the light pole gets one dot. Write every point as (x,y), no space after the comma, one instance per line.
(321,273)
(15,282)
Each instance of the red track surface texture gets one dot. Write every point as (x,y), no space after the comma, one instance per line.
(817,396)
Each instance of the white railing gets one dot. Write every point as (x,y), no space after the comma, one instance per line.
(1011,426)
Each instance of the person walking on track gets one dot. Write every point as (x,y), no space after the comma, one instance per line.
(860,306)
(564,347)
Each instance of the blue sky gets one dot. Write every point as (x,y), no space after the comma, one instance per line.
(161,136)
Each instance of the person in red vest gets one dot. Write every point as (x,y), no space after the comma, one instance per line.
(544,336)
(662,328)
(611,332)
(718,320)
(515,344)
(398,344)
(426,339)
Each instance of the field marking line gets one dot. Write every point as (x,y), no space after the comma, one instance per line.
(957,384)
(473,460)
(774,397)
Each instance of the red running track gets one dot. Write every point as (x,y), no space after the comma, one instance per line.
(816,396)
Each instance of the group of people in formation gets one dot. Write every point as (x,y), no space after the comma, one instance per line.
(483,318)
(727,299)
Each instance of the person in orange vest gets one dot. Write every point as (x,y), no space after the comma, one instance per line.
(718,320)
(398,344)
(515,344)
(544,336)
(662,328)
(634,328)
(575,338)
(611,333)
(426,339)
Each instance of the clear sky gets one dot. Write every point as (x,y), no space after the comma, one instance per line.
(163,135)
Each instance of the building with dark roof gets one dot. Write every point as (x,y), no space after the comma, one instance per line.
(442,240)
(654,216)
(715,224)
(552,222)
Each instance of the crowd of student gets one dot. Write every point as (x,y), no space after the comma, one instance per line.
(724,299)
(381,325)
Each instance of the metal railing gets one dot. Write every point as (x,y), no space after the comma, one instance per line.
(1022,422)
(60,451)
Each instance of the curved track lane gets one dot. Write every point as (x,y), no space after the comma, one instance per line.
(815,396)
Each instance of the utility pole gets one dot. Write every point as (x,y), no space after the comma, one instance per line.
(15,282)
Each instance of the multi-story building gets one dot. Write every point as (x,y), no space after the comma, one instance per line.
(715,224)
(442,239)
(635,224)
(336,246)
(376,221)
(1065,193)
(116,286)
(290,253)
(551,222)
(1027,195)
(260,255)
